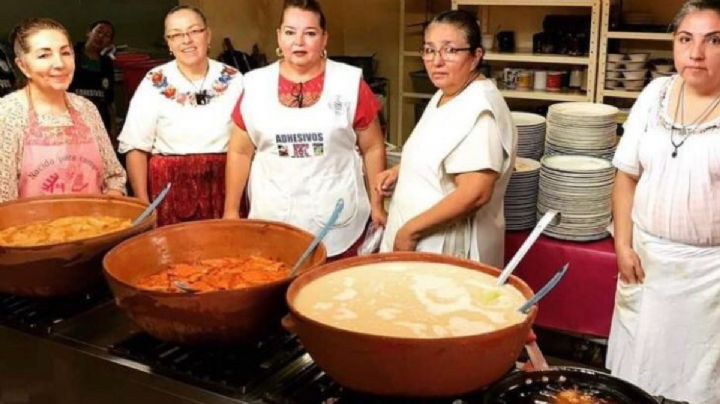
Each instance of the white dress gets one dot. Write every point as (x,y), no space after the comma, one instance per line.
(474,131)
(665,333)
(164,117)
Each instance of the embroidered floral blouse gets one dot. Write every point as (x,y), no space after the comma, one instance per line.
(167,116)
(13,127)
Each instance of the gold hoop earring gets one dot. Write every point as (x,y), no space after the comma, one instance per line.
(324,54)
(279,52)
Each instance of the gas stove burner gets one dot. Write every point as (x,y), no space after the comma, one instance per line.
(40,316)
(233,371)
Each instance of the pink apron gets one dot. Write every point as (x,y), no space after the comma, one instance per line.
(60,159)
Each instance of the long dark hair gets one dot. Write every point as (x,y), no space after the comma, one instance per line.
(307,5)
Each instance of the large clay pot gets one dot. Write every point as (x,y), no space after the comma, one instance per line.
(64,268)
(408,367)
(213,318)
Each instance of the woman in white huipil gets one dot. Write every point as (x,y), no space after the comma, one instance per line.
(665,330)
(178,125)
(305,129)
(456,165)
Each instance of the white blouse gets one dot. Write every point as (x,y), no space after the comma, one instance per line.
(677,199)
(165,118)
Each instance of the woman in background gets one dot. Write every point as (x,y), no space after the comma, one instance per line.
(456,165)
(53,142)
(178,125)
(298,129)
(664,334)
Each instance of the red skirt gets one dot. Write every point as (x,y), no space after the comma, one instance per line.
(198,187)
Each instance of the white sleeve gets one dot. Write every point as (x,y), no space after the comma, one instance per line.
(480,150)
(627,158)
(140,126)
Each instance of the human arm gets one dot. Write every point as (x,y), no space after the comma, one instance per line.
(137,168)
(473,190)
(372,145)
(629,265)
(9,144)
(237,169)
(386,180)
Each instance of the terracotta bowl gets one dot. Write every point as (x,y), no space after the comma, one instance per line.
(213,318)
(65,268)
(408,367)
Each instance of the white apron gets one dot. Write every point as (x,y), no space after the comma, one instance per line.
(422,182)
(665,333)
(306,158)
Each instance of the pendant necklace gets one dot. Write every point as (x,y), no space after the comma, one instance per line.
(201,96)
(684,128)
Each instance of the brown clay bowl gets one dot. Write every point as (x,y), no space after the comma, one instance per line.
(212,318)
(408,367)
(65,268)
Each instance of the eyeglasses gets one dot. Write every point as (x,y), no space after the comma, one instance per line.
(193,34)
(447,53)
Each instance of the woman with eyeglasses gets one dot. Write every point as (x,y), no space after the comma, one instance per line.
(178,125)
(664,335)
(52,141)
(456,164)
(305,130)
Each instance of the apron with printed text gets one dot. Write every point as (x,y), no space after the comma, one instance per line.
(60,159)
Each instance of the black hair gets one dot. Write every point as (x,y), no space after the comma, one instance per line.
(691,7)
(102,22)
(306,5)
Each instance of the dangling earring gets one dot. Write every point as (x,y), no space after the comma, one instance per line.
(279,52)
(324,54)
(170,52)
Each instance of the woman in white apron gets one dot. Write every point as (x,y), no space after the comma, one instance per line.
(665,333)
(299,126)
(53,142)
(458,160)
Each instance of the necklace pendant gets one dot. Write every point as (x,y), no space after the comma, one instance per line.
(674,153)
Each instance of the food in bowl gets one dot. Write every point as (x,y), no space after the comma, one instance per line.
(411,300)
(61,230)
(575,396)
(210,275)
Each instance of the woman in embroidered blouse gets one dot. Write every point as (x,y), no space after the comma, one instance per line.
(664,335)
(178,125)
(53,142)
(298,128)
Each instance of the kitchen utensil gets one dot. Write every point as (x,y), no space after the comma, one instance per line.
(408,367)
(223,317)
(321,235)
(65,268)
(544,290)
(529,241)
(150,209)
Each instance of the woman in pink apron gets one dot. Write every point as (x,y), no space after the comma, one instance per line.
(53,142)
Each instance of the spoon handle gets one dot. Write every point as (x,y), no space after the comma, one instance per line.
(149,210)
(525,247)
(339,205)
(544,290)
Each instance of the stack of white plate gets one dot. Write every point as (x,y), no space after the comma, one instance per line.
(531,134)
(580,188)
(581,128)
(521,195)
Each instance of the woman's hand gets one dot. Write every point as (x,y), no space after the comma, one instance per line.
(386,180)
(378,215)
(630,269)
(113,192)
(406,239)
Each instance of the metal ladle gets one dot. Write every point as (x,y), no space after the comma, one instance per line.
(321,235)
(520,254)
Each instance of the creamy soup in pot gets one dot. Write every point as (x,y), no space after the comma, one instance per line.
(411,300)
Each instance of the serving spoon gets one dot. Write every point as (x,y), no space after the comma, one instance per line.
(149,210)
(529,241)
(339,205)
(525,308)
